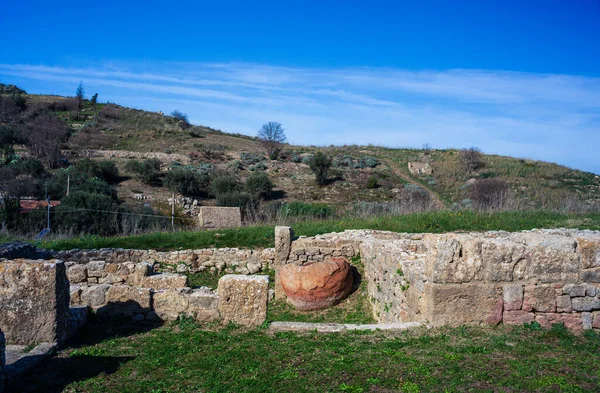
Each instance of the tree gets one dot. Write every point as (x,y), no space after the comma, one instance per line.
(182,118)
(80,96)
(44,136)
(259,185)
(147,171)
(271,136)
(187,183)
(9,136)
(320,165)
(94,101)
(471,159)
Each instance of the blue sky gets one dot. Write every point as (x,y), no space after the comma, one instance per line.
(517,78)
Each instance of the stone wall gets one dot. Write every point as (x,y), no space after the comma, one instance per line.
(34,301)
(216,260)
(2,360)
(547,276)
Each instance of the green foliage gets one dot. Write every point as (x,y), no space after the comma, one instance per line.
(243,200)
(30,166)
(250,158)
(307,210)
(372,182)
(147,171)
(84,221)
(224,184)
(187,182)
(259,185)
(320,165)
(9,136)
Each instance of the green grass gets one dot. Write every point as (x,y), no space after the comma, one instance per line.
(263,236)
(189,358)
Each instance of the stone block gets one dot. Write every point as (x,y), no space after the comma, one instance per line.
(563,303)
(283,248)
(75,294)
(165,281)
(220,217)
(585,303)
(243,299)
(204,305)
(170,303)
(513,296)
(596,320)
(586,320)
(34,301)
(591,275)
(590,252)
(462,304)
(125,301)
(575,290)
(94,295)
(570,321)
(539,298)
(77,273)
(517,317)
(452,259)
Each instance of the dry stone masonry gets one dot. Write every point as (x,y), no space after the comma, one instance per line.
(547,276)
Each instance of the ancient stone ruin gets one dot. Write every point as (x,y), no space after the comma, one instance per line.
(220,217)
(547,276)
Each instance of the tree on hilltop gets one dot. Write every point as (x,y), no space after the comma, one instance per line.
(271,136)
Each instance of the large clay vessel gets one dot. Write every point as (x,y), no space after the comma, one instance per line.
(316,285)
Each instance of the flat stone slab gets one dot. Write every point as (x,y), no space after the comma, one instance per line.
(19,362)
(339,327)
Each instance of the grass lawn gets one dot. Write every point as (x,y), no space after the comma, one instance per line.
(263,236)
(186,357)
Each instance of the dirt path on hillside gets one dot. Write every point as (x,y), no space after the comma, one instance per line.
(398,172)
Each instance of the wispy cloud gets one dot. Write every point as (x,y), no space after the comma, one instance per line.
(542,116)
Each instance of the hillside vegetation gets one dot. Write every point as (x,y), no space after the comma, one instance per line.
(130,162)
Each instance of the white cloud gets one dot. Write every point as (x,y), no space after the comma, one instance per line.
(542,116)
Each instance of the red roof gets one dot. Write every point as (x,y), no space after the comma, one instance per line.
(29,205)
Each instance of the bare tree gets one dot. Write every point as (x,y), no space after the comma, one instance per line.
(45,134)
(471,159)
(271,136)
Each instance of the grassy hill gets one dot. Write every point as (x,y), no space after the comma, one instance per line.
(363,180)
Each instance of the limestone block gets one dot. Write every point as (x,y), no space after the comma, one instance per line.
(124,301)
(453,259)
(169,303)
(596,320)
(517,317)
(570,321)
(590,252)
(243,299)
(563,304)
(75,294)
(513,297)
(283,248)
(585,303)
(111,278)
(165,281)
(586,320)
(77,273)
(574,290)
(94,295)
(204,305)
(539,298)
(462,304)
(34,301)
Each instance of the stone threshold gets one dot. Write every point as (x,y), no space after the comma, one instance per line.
(340,327)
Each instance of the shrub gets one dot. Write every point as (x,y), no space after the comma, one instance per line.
(147,171)
(250,158)
(307,159)
(224,184)
(372,182)
(181,118)
(296,158)
(471,159)
(187,183)
(45,134)
(489,193)
(31,167)
(370,162)
(110,112)
(259,185)
(104,169)
(307,210)
(320,165)
(243,200)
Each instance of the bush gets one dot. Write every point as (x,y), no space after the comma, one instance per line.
(147,171)
(489,193)
(370,162)
(30,167)
(187,183)
(307,210)
(246,202)
(471,159)
(307,159)
(250,158)
(296,159)
(259,185)
(104,169)
(320,165)
(224,184)
(86,221)
(181,118)
(372,182)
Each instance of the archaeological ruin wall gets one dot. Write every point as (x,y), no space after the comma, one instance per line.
(546,276)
